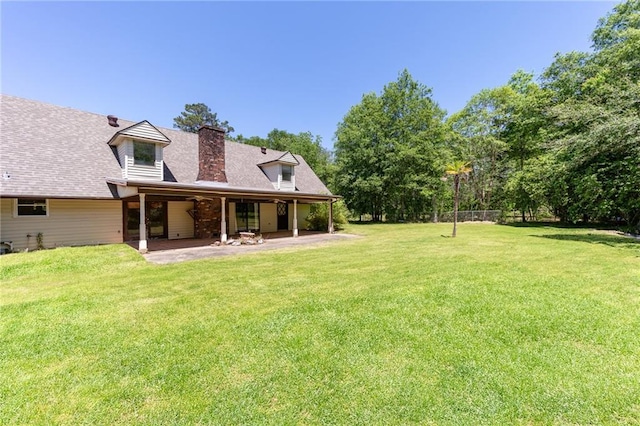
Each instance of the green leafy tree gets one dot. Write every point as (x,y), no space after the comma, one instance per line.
(596,119)
(390,152)
(195,116)
(318,219)
(360,158)
(477,134)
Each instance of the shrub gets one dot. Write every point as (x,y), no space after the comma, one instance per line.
(318,219)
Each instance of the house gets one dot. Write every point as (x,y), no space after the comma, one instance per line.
(75,178)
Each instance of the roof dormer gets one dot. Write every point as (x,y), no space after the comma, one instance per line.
(281,171)
(140,151)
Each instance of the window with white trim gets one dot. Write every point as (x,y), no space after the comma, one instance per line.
(31,207)
(287,172)
(144,154)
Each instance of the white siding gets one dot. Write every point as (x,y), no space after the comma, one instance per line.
(144,130)
(288,158)
(273,173)
(179,221)
(268,217)
(137,171)
(122,156)
(70,223)
(303,212)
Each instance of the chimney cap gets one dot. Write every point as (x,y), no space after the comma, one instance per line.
(210,127)
(113,121)
(263,149)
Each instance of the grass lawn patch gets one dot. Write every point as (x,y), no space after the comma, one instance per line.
(500,325)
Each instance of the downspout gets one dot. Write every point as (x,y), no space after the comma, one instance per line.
(295,218)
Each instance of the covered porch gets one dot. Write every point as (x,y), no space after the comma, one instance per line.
(218,212)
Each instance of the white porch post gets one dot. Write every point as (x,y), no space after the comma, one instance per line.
(223,222)
(295,218)
(142,244)
(330,217)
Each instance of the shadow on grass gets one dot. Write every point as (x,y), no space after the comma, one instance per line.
(559,225)
(609,240)
(386,223)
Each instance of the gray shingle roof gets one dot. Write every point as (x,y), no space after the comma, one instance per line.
(52,151)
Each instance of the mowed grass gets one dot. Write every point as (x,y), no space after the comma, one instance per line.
(501,325)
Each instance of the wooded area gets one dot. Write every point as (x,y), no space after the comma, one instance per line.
(564,144)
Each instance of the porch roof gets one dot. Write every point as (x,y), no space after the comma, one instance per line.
(217,190)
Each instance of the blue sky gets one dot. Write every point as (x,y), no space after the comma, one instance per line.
(296,66)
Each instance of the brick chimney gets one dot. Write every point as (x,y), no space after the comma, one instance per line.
(211,154)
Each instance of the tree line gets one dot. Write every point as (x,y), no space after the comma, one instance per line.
(565,143)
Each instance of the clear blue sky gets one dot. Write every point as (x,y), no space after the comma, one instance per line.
(296,66)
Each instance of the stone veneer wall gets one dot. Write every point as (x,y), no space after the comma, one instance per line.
(211,165)
(208,218)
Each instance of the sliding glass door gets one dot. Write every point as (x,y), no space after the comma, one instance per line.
(156,212)
(248,217)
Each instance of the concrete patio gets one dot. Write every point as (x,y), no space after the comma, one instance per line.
(172,251)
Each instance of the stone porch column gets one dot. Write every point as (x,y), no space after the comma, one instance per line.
(295,218)
(223,222)
(142,244)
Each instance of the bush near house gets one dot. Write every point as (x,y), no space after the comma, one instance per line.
(318,219)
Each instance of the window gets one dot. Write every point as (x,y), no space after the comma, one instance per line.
(248,216)
(32,207)
(287,171)
(144,154)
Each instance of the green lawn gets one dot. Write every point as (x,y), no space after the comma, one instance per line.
(501,325)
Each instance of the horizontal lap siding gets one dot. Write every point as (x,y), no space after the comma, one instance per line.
(70,223)
(268,217)
(180,222)
(144,172)
(122,157)
(136,171)
(303,212)
(143,130)
(272,171)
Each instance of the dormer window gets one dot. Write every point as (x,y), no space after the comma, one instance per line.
(281,171)
(139,149)
(144,154)
(287,171)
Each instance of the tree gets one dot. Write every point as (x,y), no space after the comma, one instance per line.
(459,170)
(389,152)
(477,134)
(571,143)
(596,116)
(195,116)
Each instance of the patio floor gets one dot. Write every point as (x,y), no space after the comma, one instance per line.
(172,251)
